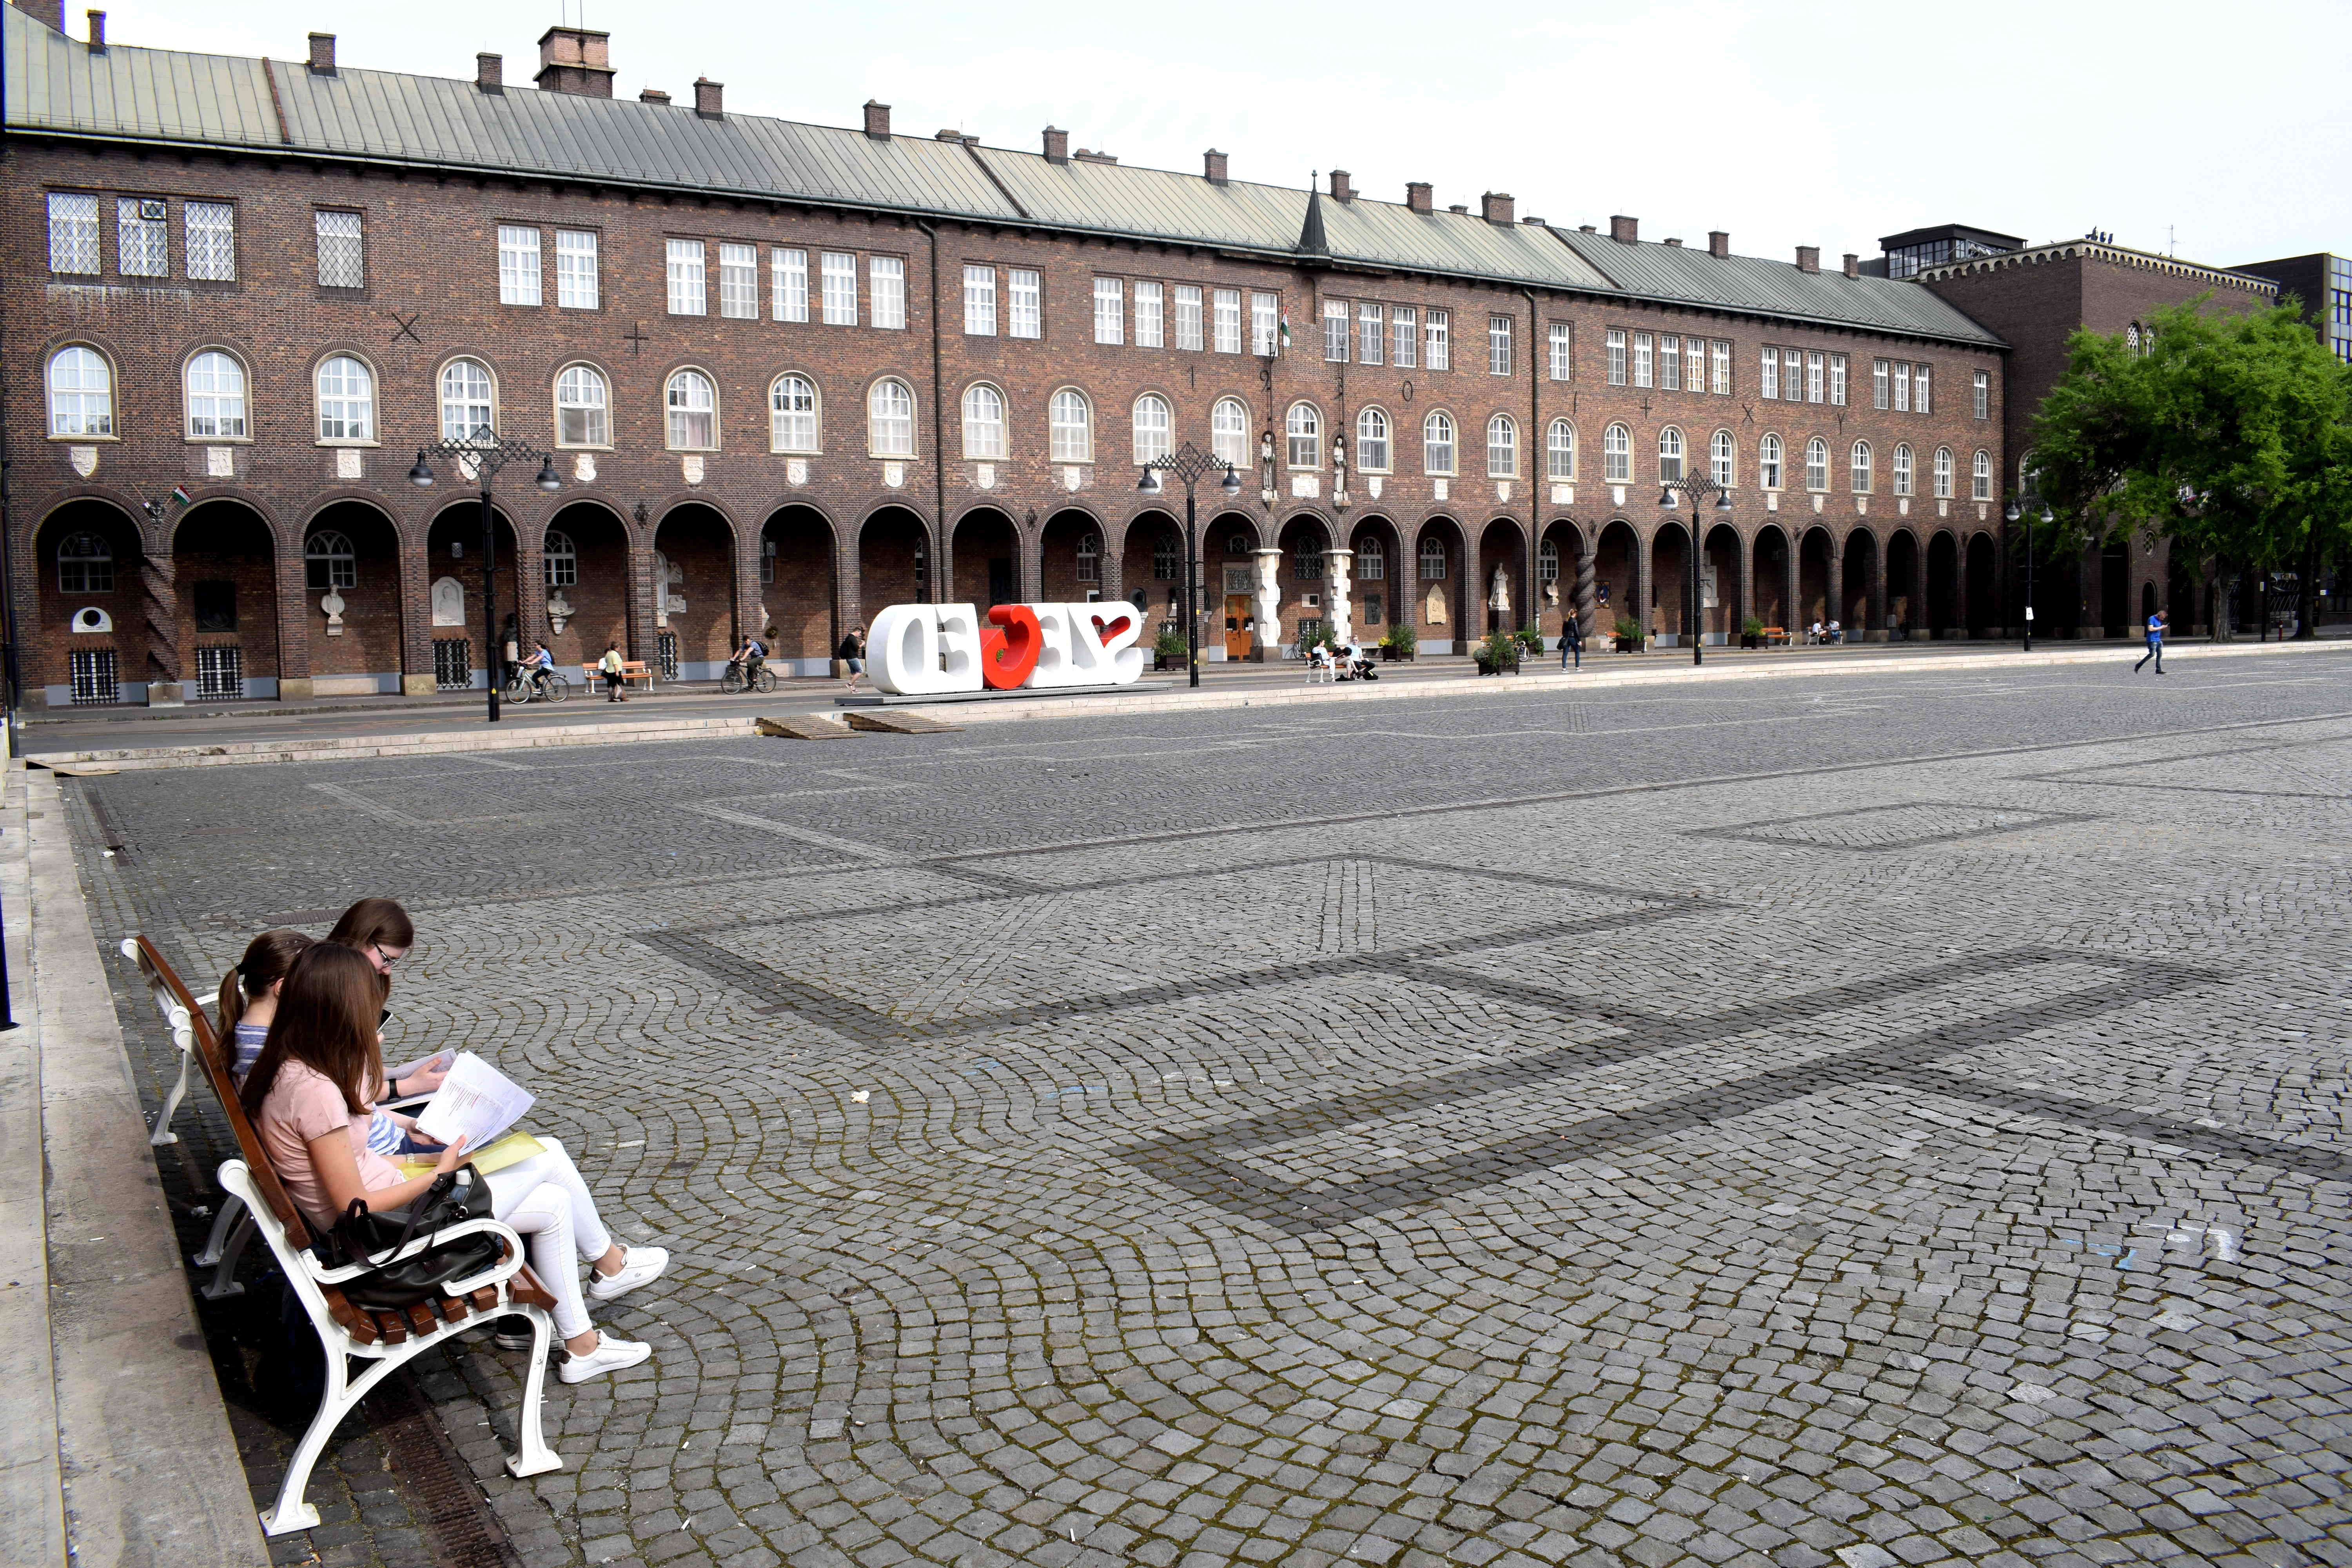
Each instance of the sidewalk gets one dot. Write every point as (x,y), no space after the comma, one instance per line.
(130,740)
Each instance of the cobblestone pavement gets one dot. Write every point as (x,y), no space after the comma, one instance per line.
(1892,1121)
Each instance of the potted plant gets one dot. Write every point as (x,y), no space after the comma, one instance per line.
(1629,635)
(1752,632)
(1498,652)
(1167,650)
(1399,644)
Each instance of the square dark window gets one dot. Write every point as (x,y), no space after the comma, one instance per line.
(214,605)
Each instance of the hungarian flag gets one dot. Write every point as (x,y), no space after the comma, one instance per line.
(182,496)
(1285,329)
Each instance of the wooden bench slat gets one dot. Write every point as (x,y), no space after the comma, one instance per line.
(525,1289)
(392,1327)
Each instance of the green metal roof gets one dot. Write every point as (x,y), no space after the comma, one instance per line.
(58,86)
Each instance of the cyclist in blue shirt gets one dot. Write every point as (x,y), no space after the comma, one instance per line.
(541,665)
(752,656)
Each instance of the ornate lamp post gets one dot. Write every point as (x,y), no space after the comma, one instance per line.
(1698,485)
(2010,514)
(481,456)
(1189,464)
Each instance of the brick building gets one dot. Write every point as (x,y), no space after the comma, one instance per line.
(2035,297)
(791,373)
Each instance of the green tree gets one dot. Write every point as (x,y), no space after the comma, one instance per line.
(2229,436)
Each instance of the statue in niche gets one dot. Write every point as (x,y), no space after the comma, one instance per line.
(1499,597)
(668,577)
(448,602)
(558,610)
(332,604)
(1433,611)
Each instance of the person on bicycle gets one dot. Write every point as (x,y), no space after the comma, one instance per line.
(541,666)
(752,657)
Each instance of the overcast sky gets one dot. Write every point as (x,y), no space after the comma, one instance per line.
(2223,134)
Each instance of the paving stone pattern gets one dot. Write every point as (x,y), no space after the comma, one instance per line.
(1889,1121)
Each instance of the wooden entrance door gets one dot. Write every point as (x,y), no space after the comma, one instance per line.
(1238,634)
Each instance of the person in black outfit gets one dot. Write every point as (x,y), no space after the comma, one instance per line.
(852,652)
(1571,641)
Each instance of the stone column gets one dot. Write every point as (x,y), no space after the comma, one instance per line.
(1735,623)
(1267,645)
(1835,589)
(1339,613)
(1583,607)
(159,607)
(1960,595)
(1877,590)
(1792,564)
(1639,610)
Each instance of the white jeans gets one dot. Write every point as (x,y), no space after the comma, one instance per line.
(548,1206)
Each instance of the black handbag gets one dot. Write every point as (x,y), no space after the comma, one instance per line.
(360,1236)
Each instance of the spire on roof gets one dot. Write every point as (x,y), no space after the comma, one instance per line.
(1311,240)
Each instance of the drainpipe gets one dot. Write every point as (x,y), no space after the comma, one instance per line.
(940,563)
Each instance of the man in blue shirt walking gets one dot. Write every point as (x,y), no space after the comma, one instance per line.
(2154,644)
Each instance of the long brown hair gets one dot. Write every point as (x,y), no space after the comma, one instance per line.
(267,959)
(374,922)
(326,1020)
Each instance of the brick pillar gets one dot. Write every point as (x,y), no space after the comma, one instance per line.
(641,630)
(1114,565)
(1793,566)
(1029,560)
(1735,622)
(294,609)
(848,589)
(1835,594)
(416,629)
(1640,609)
(159,608)
(1960,594)
(1877,589)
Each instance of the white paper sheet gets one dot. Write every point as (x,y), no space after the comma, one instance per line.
(475,1103)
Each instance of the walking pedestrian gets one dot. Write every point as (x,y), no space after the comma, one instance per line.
(1571,641)
(2154,644)
(852,652)
(613,669)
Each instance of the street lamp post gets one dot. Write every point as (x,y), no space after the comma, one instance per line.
(2011,515)
(487,452)
(1698,485)
(1189,464)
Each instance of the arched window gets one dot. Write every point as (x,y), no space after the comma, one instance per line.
(890,420)
(1816,463)
(693,405)
(1167,558)
(81,393)
(1229,431)
(1437,443)
(1722,459)
(2131,338)
(465,400)
(1903,468)
(1152,425)
(792,415)
(1547,562)
(1432,558)
(1090,558)
(346,400)
(1768,462)
(1943,473)
(2025,471)
(983,422)
(329,562)
(1670,456)
(1980,476)
(562,558)
(1502,447)
(1073,421)
(1559,450)
(1304,427)
(1617,455)
(582,415)
(215,397)
(85,564)
(1372,441)
(1371,560)
(1861,467)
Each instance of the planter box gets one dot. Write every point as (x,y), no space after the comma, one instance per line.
(1751,639)
(1390,655)
(1628,645)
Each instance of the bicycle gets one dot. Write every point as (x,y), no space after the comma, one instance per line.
(732,681)
(520,687)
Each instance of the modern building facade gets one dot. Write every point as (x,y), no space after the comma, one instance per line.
(791,373)
(2323,283)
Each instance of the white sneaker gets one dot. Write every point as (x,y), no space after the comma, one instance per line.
(639,1265)
(514,1335)
(611,1355)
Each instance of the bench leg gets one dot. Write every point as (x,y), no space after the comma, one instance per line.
(164,1134)
(232,1229)
(532,1455)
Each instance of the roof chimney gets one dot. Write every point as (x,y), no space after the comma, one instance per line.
(322,53)
(1809,258)
(575,61)
(1624,230)
(1459,207)
(1676,243)
(1212,166)
(1585,229)
(706,98)
(1057,145)
(653,95)
(96,32)
(491,73)
(1097,157)
(1341,190)
(1719,244)
(1853,265)
(878,118)
(50,13)
(1419,196)
(1495,206)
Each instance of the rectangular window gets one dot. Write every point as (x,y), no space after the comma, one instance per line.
(738,281)
(1617,357)
(517,264)
(1499,345)
(837,285)
(1919,389)
(142,246)
(1110,310)
(788,285)
(92,670)
(576,286)
(73,232)
(1878,379)
(1371,333)
(1438,341)
(1266,324)
(1722,368)
(1670,362)
(1150,317)
(979,301)
(1814,386)
(1903,389)
(1643,373)
(1769,385)
(1694,364)
(1792,375)
(1982,389)
(886,292)
(1837,379)
(1404,337)
(1227,304)
(1028,290)
(686,294)
(210,251)
(1562,341)
(342,263)
(1335,331)
(1188,316)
